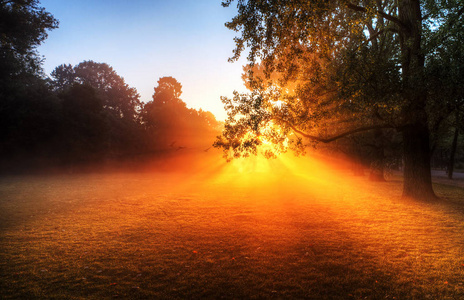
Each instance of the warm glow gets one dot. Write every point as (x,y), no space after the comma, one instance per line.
(278,103)
(316,173)
(192,217)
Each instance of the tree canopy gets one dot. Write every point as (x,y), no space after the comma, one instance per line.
(24,25)
(352,66)
(117,96)
(172,124)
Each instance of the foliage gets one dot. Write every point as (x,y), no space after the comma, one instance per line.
(357,66)
(23,27)
(84,128)
(336,71)
(445,70)
(169,121)
(29,121)
(28,110)
(117,96)
(86,114)
(119,130)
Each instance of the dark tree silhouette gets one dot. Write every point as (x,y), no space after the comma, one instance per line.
(171,124)
(121,104)
(87,113)
(85,131)
(23,27)
(117,96)
(29,112)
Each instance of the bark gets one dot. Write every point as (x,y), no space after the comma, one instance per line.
(416,135)
(378,163)
(417,174)
(453,153)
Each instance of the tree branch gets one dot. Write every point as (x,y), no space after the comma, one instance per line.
(378,33)
(379,12)
(336,137)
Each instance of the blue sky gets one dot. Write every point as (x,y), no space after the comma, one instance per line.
(144,40)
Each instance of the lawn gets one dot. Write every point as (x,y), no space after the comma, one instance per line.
(248,229)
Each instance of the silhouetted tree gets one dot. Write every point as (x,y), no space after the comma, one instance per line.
(23,27)
(85,132)
(117,96)
(120,103)
(29,112)
(171,124)
(445,70)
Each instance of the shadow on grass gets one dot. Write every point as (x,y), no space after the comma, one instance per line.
(175,235)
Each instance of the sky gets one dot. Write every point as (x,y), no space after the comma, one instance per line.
(144,40)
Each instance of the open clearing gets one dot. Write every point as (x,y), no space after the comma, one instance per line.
(255,229)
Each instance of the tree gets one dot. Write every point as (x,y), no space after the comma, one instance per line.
(171,124)
(319,43)
(117,96)
(85,132)
(445,70)
(23,27)
(29,113)
(120,102)
(30,124)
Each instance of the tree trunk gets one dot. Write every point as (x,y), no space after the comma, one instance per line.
(417,175)
(453,153)
(378,163)
(416,136)
(376,174)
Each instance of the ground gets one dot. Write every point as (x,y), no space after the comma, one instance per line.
(441,177)
(255,229)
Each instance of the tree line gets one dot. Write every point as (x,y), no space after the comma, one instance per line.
(378,80)
(85,113)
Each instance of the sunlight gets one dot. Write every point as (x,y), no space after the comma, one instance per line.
(254,164)
(278,103)
(310,174)
(272,135)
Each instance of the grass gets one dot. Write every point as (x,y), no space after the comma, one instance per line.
(231,234)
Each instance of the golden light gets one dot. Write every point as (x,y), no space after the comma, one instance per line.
(277,103)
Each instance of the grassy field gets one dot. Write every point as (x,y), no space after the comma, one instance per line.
(253,229)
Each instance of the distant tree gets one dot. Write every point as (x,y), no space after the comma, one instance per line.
(85,131)
(168,90)
(120,103)
(29,126)
(64,77)
(117,96)
(171,124)
(445,70)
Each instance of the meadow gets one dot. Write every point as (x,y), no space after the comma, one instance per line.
(204,228)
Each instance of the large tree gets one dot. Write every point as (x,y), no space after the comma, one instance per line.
(360,66)
(28,110)
(117,95)
(121,104)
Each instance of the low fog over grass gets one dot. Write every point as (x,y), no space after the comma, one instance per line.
(256,228)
